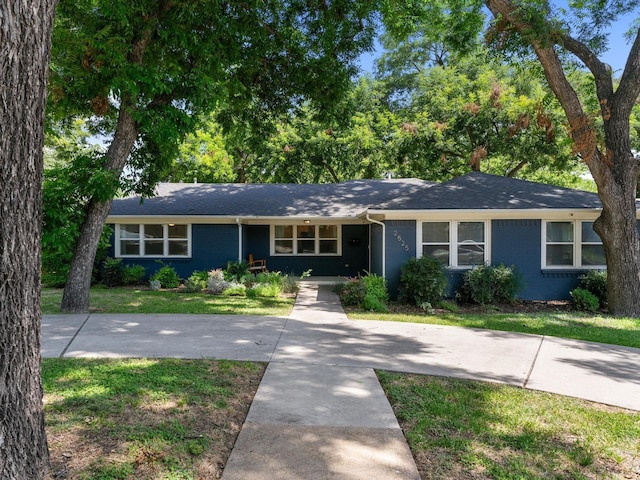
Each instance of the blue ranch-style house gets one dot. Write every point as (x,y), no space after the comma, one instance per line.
(375,226)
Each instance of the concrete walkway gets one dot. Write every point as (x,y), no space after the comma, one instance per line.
(320,412)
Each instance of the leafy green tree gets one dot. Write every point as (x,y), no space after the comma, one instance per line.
(601,135)
(481,114)
(148,70)
(73,175)
(203,157)
(307,147)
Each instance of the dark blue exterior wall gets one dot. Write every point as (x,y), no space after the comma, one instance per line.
(400,247)
(212,246)
(375,249)
(353,261)
(518,242)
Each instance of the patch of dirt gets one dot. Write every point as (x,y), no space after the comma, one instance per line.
(521,306)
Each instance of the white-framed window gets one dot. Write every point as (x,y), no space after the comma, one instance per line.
(456,243)
(153,240)
(571,244)
(306,239)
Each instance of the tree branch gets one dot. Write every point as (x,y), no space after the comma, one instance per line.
(629,88)
(582,130)
(601,71)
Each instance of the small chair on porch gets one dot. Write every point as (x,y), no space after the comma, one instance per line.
(257,266)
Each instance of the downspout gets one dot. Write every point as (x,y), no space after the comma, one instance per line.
(384,242)
(239,240)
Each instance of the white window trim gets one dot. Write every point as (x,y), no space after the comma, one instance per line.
(453,240)
(272,241)
(165,238)
(577,247)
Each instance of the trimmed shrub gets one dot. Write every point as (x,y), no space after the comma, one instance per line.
(112,272)
(595,282)
(133,274)
(585,300)
(422,280)
(167,276)
(487,284)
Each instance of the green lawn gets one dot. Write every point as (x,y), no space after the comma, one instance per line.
(131,300)
(461,429)
(580,326)
(144,419)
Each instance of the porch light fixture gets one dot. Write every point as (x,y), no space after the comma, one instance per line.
(307,222)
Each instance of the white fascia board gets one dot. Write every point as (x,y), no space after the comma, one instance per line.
(206,219)
(456,214)
(156,219)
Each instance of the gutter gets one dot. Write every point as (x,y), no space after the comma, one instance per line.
(384,244)
(239,239)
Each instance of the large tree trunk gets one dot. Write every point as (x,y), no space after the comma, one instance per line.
(25,36)
(75,298)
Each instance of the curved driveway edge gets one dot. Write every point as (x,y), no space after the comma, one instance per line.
(318,332)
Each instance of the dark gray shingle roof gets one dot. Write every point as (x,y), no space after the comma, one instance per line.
(472,191)
(272,200)
(483,191)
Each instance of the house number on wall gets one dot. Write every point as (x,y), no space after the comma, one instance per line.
(401,241)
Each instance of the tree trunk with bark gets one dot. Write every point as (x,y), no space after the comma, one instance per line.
(75,298)
(25,36)
(612,165)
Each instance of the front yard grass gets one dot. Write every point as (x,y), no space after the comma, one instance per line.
(140,300)
(174,418)
(144,419)
(460,429)
(565,324)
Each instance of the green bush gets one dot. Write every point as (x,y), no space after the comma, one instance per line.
(487,285)
(237,272)
(270,290)
(595,282)
(368,292)
(167,276)
(235,290)
(585,300)
(375,293)
(133,274)
(422,280)
(196,282)
(112,272)
(352,293)
(373,304)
